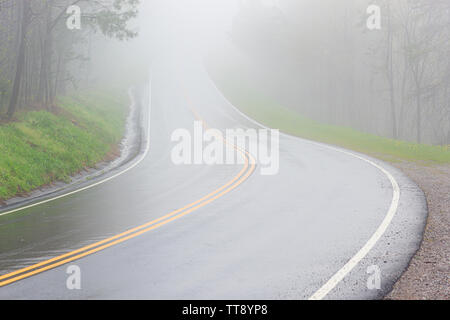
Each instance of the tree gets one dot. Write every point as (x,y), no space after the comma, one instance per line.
(26,16)
(40,47)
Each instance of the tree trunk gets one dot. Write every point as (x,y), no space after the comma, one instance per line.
(45,82)
(419,114)
(390,74)
(20,58)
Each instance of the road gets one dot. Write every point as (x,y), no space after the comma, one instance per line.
(238,234)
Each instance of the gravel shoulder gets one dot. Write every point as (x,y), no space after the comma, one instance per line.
(427,277)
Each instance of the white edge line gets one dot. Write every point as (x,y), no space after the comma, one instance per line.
(147,148)
(339,275)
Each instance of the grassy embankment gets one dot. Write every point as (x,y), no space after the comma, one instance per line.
(40,147)
(274,115)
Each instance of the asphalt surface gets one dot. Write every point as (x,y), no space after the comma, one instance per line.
(268,237)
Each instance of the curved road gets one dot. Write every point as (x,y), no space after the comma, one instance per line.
(217,232)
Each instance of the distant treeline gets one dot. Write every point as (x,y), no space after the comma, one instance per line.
(323,60)
(41,53)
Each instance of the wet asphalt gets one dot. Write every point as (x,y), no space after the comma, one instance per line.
(272,237)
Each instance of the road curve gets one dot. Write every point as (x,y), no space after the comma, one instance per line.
(161,231)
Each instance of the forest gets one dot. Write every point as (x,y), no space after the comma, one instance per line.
(44,53)
(320,58)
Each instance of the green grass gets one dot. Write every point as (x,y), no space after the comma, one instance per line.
(42,147)
(270,113)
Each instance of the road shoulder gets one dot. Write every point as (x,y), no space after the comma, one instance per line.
(427,274)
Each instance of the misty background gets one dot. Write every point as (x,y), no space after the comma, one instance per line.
(316,57)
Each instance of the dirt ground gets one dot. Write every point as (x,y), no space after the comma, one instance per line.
(427,277)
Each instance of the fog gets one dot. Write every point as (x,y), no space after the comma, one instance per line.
(317,57)
(195,25)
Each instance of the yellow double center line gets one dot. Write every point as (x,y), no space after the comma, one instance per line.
(247,170)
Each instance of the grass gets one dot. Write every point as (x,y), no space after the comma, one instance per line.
(270,113)
(41,147)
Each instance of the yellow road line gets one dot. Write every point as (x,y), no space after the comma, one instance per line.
(126,232)
(132,233)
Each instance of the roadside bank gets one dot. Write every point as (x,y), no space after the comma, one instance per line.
(85,136)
